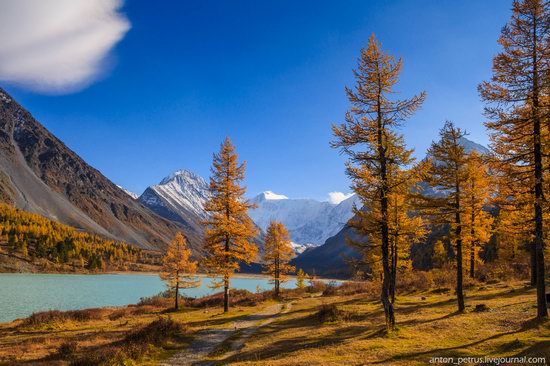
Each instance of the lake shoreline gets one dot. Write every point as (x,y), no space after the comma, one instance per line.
(22,294)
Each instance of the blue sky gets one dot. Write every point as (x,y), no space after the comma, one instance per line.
(269,74)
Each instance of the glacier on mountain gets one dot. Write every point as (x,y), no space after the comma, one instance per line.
(309,222)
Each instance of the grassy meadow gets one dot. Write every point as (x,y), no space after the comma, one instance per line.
(318,325)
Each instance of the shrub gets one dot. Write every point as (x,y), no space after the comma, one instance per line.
(237,297)
(162,300)
(67,349)
(156,332)
(131,310)
(316,286)
(330,314)
(411,281)
(135,346)
(51,316)
(370,288)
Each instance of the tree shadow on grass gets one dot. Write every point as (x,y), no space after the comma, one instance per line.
(453,351)
(293,344)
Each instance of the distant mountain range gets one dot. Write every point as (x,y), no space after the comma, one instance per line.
(309,222)
(181,197)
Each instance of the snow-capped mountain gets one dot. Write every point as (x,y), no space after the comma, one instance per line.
(129,193)
(309,222)
(179,197)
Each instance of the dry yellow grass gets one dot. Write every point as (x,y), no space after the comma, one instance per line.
(427,327)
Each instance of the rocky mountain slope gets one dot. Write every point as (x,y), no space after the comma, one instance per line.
(38,173)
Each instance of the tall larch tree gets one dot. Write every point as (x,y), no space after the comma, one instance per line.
(178,270)
(446,172)
(376,150)
(229,230)
(277,254)
(405,228)
(478,223)
(517,109)
(513,226)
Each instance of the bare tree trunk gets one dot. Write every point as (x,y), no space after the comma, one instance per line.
(386,282)
(176,306)
(458,234)
(277,276)
(226,295)
(472,260)
(532,252)
(542,311)
(393,270)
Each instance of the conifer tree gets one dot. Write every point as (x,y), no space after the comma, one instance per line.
(439,255)
(447,172)
(477,194)
(518,112)
(376,149)
(301,279)
(178,269)
(277,254)
(513,224)
(405,228)
(229,229)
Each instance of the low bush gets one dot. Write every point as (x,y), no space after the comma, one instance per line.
(316,287)
(162,300)
(414,281)
(52,316)
(131,310)
(370,288)
(498,272)
(67,350)
(135,347)
(330,314)
(237,297)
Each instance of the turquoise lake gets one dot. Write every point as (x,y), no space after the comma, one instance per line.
(23,294)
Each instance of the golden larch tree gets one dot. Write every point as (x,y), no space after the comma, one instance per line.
(405,228)
(446,173)
(301,279)
(229,230)
(478,223)
(517,109)
(376,150)
(178,270)
(277,254)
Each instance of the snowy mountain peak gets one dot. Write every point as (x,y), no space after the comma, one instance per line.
(181,191)
(183,175)
(271,196)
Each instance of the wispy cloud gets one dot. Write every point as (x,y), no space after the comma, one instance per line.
(337,197)
(57,46)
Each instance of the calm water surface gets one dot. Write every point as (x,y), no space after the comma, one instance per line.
(23,294)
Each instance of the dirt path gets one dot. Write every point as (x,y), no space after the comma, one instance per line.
(206,341)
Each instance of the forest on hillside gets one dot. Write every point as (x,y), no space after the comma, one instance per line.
(57,247)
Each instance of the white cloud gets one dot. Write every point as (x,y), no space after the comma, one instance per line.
(337,197)
(57,45)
